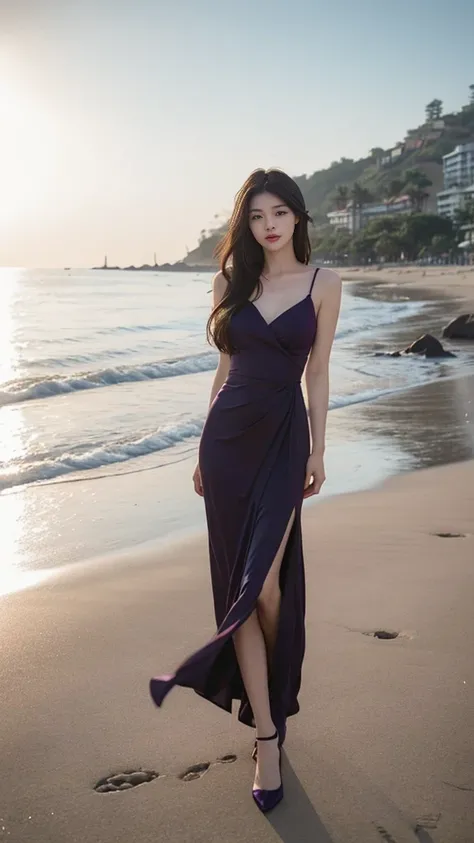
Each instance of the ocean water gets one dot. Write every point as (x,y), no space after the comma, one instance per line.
(104,388)
(101,370)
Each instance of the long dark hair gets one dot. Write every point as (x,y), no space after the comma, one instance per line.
(247,255)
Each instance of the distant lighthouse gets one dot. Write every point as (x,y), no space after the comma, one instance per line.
(105,263)
(154,255)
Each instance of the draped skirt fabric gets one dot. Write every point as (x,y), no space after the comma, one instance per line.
(252,457)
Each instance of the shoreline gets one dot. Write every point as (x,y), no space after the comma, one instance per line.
(93,522)
(384,737)
(414,427)
(451,281)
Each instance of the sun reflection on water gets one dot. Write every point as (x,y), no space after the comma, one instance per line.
(15,517)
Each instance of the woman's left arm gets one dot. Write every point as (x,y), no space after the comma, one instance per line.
(317,376)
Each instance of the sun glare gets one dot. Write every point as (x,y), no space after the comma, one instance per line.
(27,152)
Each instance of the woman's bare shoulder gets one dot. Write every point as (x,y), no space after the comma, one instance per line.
(328,277)
(328,282)
(219,287)
(219,282)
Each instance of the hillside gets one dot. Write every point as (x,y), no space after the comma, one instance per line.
(422,148)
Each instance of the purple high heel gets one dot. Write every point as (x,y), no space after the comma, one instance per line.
(268,799)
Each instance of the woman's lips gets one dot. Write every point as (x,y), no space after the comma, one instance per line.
(272,237)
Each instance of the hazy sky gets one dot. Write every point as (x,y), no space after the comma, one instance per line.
(126,126)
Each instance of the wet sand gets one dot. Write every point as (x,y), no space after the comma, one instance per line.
(384,740)
(456,281)
(51,529)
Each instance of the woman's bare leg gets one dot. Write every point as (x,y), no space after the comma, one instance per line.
(252,647)
(251,653)
(268,605)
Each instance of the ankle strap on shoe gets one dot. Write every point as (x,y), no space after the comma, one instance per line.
(270,738)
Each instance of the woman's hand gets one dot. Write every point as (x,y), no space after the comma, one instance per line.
(315,475)
(197,481)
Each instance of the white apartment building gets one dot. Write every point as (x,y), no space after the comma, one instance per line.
(450,200)
(342,218)
(356,218)
(458,175)
(458,166)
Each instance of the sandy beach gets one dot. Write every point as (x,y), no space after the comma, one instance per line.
(382,748)
(456,281)
(122,590)
(383,744)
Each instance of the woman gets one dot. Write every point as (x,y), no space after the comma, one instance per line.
(256,463)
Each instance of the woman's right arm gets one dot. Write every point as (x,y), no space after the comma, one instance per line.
(219,286)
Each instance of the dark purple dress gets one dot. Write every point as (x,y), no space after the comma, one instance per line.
(253,453)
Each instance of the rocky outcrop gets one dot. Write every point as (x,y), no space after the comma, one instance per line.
(425,346)
(461,328)
(429,346)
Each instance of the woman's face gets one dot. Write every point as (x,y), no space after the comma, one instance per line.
(271,222)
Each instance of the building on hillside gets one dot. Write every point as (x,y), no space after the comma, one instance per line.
(413,143)
(430,131)
(458,177)
(341,218)
(391,156)
(354,219)
(414,139)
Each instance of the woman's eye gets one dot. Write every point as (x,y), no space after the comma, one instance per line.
(282,212)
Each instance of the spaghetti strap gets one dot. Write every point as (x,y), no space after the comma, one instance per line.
(314,279)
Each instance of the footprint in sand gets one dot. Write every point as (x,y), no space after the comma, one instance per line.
(381,633)
(196,771)
(124,781)
(427,821)
(385,835)
(132,778)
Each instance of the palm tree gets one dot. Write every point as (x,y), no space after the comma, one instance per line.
(394,188)
(360,196)
(417,197)
(462,217)
(342,197)
(415,183)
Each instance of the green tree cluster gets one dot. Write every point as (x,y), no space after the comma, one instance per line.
(393,238)
(412,183)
